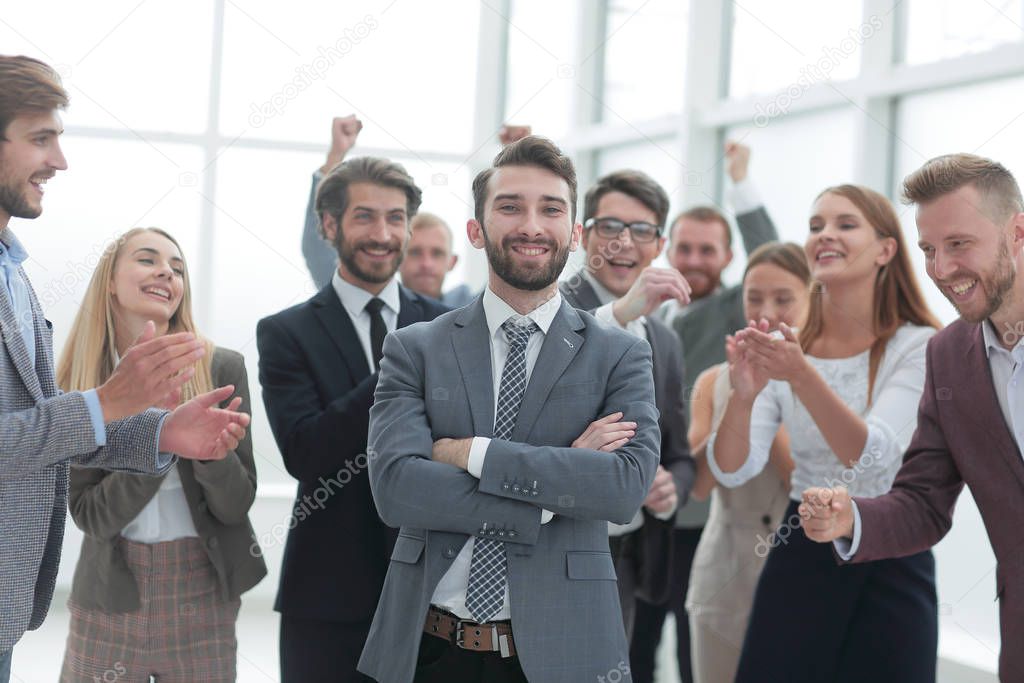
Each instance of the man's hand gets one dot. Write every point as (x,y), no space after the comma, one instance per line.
(737,158)
(150,373)
(199,430)
(662,498)
(453,452)
(651,289)
(606,434)
(826,514)
(509,134)
(344,131)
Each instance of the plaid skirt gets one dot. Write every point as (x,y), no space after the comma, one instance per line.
(183,632)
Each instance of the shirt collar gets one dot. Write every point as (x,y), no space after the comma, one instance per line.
(498,311)
(354,299)
(603,295)
(11,248)
(989,333)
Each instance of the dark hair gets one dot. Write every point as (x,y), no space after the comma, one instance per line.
(332,194)
(635,184)
(532,150)
(786,255)
(705,214)
(897,296)
(27,86)
(945,174)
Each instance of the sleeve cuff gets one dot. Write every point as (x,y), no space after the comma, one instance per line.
(730,480)
(92,403)
(665,516)
(845,547)
(546,516)
(477,453)
(743,197)
(163,460)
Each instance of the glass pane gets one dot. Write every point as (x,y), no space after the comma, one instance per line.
(940,29)
(993,131)
(110,187)
(792,160)
(286,73)
(636,31)
(541,75)
(257,263)
(793,45)
(126,64)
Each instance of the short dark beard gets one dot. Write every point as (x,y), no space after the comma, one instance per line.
(347,256)
(997,284)
(15,204)
(531,281)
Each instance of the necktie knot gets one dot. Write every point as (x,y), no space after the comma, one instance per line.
(374,305)
(518,332)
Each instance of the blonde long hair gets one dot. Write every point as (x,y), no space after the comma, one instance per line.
(90,353)
(897,296)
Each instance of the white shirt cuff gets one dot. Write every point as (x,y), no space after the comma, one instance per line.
(845,547)
(92,404)
(743,197)
(477,453)
(546,516)
(729,480)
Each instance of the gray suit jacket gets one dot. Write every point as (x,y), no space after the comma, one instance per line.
(436,381)
(41,429)
(655,536)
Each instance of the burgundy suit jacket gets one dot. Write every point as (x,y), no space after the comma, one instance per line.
(961,438)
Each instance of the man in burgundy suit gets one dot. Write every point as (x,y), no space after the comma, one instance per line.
(970,424)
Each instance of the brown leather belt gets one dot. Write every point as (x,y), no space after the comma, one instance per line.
(493,636)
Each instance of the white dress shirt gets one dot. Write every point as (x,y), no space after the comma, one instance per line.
(166,516)
(450,593)
(638,328)
(354,299)
(1009,385)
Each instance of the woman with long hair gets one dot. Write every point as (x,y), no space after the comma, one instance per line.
(846,388)
(776,288)
(165,559)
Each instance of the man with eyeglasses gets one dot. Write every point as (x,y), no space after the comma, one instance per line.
(624,217)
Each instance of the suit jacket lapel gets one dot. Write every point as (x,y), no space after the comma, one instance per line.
(16,345)
(472,345)
(561,344)
(582,291)
(44,344)
(333,316)
(988,403)
(409,309)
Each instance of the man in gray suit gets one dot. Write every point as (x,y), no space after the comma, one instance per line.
(41,429)
(482,449)
(624,214)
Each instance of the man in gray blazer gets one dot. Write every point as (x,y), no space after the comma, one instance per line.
(482,449)
(624,216)
(42,429)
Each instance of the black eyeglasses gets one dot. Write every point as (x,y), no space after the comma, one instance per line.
(611,228)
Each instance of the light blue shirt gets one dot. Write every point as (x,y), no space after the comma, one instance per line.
(12,255)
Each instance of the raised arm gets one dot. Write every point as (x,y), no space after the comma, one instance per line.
(752,219)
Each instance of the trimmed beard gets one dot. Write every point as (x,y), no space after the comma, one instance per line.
(521,278)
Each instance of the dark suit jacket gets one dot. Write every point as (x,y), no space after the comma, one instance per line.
(219,495)
(318,390)
(961,438)
(655,536)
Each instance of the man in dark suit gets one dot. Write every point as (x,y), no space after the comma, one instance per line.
(624,215)
(318,369)
(970,428)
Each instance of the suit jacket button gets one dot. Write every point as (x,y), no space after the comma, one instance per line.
(501,532)
(491,532)
(506,486)
(449,552)
(516,489)
(766,520)
(212,543)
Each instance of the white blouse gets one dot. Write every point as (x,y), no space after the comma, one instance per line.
(891,420)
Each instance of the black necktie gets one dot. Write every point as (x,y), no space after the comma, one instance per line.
(378,330)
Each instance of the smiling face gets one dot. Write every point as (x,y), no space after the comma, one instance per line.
(972,260)
(29,156)
(616,262)
(149,278)
(372,236)
(528,229)
(699,251)
(774,293)
(842,246)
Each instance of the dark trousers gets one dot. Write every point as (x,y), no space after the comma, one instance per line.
(816,620)
(442,662)
(624,556)
(650,619)
(314,651)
